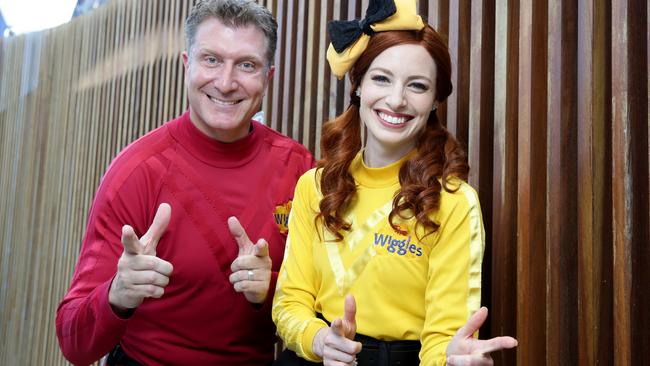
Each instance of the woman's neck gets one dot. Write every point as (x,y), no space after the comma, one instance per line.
(377,155)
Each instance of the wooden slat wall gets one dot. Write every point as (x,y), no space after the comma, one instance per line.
(551,100)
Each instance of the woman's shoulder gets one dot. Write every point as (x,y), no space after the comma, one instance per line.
(309,176)
(457,194)
(308,180)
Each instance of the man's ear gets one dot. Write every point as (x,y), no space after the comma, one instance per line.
(270,73)
(186,65)
(186,60)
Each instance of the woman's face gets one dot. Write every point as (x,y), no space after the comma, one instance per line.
(397,95)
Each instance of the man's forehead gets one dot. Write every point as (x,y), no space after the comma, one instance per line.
(248,30)
(214,35)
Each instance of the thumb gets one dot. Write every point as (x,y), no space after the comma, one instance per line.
(157,229)
(130,241)
(238,232)
(474,323)
(262,248)
(350,313)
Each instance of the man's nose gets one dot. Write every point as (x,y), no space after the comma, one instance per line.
(226,81)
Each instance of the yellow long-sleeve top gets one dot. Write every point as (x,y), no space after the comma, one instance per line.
(405,288)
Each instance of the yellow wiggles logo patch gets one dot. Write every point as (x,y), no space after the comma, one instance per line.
(281,215)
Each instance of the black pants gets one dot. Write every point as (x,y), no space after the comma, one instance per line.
(373,353)
(117,357)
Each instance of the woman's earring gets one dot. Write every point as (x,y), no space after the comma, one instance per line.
(434,107)
(358,93)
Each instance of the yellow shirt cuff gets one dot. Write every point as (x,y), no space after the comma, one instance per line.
(308,340)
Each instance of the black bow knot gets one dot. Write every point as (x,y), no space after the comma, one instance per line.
(345,32)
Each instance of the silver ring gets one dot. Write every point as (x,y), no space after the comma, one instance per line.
(250,275)
(354,363)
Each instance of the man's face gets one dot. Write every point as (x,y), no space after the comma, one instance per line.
(226,75)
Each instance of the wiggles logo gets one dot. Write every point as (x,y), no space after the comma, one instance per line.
(400,247)
(281,215)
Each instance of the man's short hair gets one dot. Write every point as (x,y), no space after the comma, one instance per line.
(234,13)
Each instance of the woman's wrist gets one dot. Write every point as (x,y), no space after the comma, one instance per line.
(318,342)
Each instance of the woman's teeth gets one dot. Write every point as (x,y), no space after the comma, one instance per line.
(391,119)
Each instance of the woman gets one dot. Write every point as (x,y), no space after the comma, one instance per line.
(392,225)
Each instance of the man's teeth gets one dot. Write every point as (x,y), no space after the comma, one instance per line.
(224,102)
(391,119)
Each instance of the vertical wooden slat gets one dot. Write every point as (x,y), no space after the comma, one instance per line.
(441,14)
(531,261)
(561,214)
(267,102)
(323,80)
(504,212)
(459,49)
(276,106)
(594,198)
(146,97)
(621,183)
(481,121)
(637,43)
(300,67)
(311,76)
(168,22)
(333,87)
(289,74)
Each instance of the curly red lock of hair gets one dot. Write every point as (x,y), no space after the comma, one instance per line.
(439,155)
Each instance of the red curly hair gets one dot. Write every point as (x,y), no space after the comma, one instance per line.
(439,155)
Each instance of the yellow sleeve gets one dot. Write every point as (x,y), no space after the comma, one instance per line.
(293,304)
(453,290)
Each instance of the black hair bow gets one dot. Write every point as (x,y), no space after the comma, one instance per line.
(345,32)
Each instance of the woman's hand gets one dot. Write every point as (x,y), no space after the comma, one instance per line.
(336,344)
(465,350)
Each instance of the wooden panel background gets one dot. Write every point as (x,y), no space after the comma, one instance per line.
(551,100)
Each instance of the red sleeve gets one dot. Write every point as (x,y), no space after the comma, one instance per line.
(86,326)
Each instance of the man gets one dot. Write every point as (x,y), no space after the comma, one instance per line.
(167,274)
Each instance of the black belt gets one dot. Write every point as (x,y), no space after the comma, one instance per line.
(117,357)
(373,353)
(385,353)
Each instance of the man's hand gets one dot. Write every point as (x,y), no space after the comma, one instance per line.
(336,344)
(251,270)
(464,350)
(140,274)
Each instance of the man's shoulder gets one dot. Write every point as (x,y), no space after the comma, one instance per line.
(139,155)
(278,139)
(145,146)
(283,142)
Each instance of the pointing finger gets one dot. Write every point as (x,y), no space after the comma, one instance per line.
(239,234)
(160,222)
(153,263)
(496,344)
(130,241)
(350,311)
